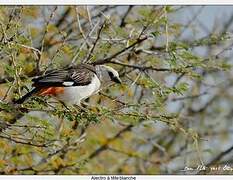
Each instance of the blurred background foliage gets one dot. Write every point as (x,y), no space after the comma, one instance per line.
(174,109)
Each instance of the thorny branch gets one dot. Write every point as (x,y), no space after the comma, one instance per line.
(109,59)
(94,44)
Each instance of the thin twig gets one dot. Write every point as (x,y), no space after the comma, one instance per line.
(122,24)
(94,44)
(81,47)
(80,27)
(22,142)
(189,97)
(43,39)
(142,68)
(108,59)
(166,29)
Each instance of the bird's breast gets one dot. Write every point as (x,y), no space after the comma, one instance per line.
(74,94)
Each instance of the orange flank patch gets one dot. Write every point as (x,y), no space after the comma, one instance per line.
(51,91)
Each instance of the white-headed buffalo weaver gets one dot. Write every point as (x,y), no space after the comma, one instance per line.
(72,84)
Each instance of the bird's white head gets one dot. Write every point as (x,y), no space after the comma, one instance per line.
(108,73)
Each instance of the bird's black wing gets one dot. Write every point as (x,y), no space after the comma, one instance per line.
(77,76)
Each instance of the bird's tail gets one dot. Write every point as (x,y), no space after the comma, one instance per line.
(26,96)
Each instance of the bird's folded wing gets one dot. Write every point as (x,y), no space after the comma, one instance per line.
(65,77)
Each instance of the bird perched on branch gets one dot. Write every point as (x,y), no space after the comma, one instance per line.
(72,84)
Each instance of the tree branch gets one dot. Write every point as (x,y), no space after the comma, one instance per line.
(109,59)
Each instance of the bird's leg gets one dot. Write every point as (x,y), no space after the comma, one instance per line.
(80,108)
(86,105)
(85,108)
(65,105)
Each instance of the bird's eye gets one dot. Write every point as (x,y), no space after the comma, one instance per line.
(114,78)
(110,74)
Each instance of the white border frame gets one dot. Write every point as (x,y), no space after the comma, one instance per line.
(119,2)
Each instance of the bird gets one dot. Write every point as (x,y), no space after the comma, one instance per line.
(72,84)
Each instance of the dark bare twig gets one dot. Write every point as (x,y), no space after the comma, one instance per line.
(94,44)
(227,25)
(59,152)
(63,17)
(18,125)
(43,39)
(15,13)
(178,79)
(228,48)
(22,142)
(189,97)
(122,24)
(142,68)
(203,108)
(220,156)
(108,59)
(17,114)
(105,146)
(133,155)
(114,99)
(58,24)
(216,159)
(191,21)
